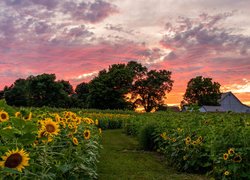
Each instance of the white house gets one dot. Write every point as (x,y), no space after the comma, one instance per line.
(228,102)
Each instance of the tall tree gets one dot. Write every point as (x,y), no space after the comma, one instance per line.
(202,91)
(149,90)
(41,90)
(67,87)
(18,94)
(45,91)
(81,96)
(108,89)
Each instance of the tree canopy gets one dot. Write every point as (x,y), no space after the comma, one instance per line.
(37,91)
(202,91)
(149,91)
(121,86)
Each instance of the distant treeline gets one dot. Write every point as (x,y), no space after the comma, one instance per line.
(121,86)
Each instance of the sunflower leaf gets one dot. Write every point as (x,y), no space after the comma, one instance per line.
(27,138)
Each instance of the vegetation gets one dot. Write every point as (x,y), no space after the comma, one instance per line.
(122,158)
(216,144)
(38,91)
(150,90)
(202,91)
(122,86)
(45,144)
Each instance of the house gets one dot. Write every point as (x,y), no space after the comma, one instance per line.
(211,109)
(228,102)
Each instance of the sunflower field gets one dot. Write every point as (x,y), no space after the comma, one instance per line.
(216,144)
(41,144)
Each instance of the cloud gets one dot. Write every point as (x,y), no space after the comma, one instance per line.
(92,12)
(120,28)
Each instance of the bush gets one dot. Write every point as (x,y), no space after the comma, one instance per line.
(146,137)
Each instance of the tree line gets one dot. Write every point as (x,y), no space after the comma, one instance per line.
(121,86)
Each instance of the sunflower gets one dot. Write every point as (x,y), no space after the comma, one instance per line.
(4,116)
(78,121)
(50,127)
(226,173)
(188,140)
(57,117)
(28,116)
(96,122)
(75,141)
(230,151)
(42,134)
(164,136)
(225,156)
(100,131)
(237,159)
(86,134)
(200,139)
(15,159)
(17,114)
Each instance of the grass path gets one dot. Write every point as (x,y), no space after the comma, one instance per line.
(121,159)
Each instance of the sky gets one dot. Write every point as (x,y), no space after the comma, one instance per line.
(75,39)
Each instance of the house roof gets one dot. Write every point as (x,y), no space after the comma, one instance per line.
(213,108)
(224,95)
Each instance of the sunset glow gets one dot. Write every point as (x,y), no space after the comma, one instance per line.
(75,39)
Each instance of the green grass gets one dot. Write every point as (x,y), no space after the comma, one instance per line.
(122,159)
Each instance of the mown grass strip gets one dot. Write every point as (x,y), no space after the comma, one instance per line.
(121,159)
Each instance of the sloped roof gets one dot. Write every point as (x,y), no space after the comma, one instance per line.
(213,108)
(224,95)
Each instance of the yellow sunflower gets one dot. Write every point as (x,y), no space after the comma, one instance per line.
(28,116)
(100,131)
(96,122)
(15,159)
(237,159)
(226,173)
(75,141)
(17,114)
(86,134)
(50,127)
(230,151)
(4,116)
(188,140)
(225,156)
(42,134)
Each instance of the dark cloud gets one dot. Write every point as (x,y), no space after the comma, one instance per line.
(89,12)
(170,56)
(203,35)
(119,28)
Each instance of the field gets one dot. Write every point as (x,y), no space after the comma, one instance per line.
(46,143)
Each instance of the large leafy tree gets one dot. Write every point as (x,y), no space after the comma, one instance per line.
(41,90)
(45,91)
(202,91)
(18,94)
(150,89)
(110,88)
(81,95)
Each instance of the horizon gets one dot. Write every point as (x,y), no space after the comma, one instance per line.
(76,39)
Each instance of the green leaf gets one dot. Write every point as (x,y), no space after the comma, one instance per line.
(29,127)
(27,138)
(7,134)
(18,123)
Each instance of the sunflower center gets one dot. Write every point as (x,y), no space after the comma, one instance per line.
(50,128)
(3,116)
(86,134)
(13,160)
